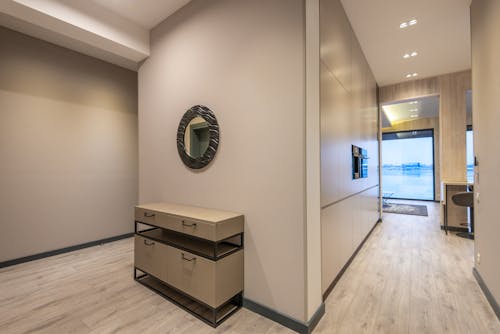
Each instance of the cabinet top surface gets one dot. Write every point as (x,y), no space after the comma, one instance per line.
(456,183)
(211,215)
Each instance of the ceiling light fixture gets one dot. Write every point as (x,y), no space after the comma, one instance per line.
(413,110)
(413,116)
(408,55)
(407,24)
(408,75)
(414,74)
(413,102)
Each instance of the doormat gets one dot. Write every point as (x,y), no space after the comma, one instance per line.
(406,209)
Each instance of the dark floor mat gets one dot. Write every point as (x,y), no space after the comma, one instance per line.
(406,209)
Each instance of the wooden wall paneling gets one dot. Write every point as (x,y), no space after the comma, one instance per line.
(348,116)
(452,115)
(339,236)
(333,241)
(453,122)
(330,244)
(357,92)
(335,150)
(409,90)
(335,41)
(357,216)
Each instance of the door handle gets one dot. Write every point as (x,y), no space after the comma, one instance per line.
(187,224)
(186,259)
(149,242)
(149,215)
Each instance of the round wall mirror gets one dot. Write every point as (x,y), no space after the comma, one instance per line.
(198,137)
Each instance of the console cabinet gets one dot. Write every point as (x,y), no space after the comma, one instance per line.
(192,256)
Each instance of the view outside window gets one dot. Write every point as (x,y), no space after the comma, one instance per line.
(408,165)
(470,156)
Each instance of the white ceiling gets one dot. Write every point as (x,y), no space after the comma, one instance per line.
(441,37)
(146,13)
(116,31)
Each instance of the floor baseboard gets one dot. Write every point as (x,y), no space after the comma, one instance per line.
(455,229)
(63,250)
(289,322)
(487,293)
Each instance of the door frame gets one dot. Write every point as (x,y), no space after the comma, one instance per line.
(433,165)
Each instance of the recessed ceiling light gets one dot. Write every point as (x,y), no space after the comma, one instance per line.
(408,75)
(408,55)
(414,74)
(407,24)
(413,116)
(413,110)
(413,102)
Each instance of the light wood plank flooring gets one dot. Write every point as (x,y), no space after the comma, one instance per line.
(93,291)
(409,278)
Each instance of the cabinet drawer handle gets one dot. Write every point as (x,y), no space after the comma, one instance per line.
(186,259)
(149,215)
(188,225)
(148,242)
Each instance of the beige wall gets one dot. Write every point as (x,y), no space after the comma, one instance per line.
(68,146)
(485,20)
(224,54)
(424,124)
(451,89)
(349,116)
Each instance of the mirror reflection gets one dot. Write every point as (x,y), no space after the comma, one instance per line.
(196,138)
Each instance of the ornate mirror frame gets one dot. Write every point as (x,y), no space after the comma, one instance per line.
(213,128)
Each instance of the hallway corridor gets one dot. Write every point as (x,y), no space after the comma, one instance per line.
(410,278)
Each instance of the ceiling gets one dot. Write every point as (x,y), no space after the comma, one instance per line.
(410,110)
(116,31)
(146,13)
(441,37)
(424,107)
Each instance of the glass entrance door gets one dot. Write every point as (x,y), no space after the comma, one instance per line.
(408,165)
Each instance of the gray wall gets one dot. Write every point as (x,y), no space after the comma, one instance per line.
(348,117)
(68,147)
(246,61)
(485,20)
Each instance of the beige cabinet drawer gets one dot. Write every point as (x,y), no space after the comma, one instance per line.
(188,226)
(150,256)
(212,282)
(197,228)
(145,216)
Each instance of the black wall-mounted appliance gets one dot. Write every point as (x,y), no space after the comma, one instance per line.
(359,163)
